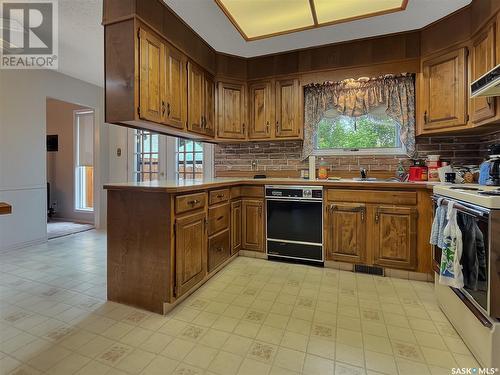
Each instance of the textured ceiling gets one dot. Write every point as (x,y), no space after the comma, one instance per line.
(81,36)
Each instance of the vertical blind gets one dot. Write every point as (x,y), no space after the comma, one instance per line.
(85,139)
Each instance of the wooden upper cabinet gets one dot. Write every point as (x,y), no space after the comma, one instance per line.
(231,112)
(346,232)
(252,225)
(395,237)
(235,226)
(151,60)
(444,91)
(208,105)
(190,251)
(261,110)
(175,88)
(482,60)
(288,109)
(196,103)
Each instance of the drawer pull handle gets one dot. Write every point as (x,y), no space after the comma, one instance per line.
(220,196)
(220,218)
(193,202)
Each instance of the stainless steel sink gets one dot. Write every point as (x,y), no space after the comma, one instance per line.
(373,179)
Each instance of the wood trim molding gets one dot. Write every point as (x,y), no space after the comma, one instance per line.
(5,208)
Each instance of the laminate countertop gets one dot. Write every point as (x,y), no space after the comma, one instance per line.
(193,185)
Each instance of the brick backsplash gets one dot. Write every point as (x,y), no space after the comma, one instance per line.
(286,156)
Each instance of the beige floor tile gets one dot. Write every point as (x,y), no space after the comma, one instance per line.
(275,370)
(289,359)
(49,358)
(270,335)
(373,328)
(177,349)
(8,364)
(117,330)
(156,343)
(200,356)
(237,345)
(345,369)
(69,365)
(299,326)
(349,354)
(351,338)
(253,367)
(94,368)
(136,361)
(353,324)
(423,325)
(23,370)
(377,344)
(225,363)
(235,312)
(466,361)
(441,358)
(247,329)
(401,334)
(406,367)
(314,365)
(321,347)
(296,341)
(205,319)
(276,321)
(186,369)
(408,351)
(432,340)
(226,324)
(383,363)
(455,345)
(160,366)
(262,351)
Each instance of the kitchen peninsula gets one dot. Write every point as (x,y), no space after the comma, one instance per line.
(165,239)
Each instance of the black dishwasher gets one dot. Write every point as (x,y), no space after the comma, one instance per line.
(295,222)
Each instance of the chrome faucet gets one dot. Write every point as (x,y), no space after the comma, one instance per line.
(363,173)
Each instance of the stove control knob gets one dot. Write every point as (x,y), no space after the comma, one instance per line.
(307,193)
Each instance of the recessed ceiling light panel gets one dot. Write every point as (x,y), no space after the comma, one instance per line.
(258,19)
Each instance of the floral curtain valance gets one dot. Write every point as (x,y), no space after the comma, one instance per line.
(357,98)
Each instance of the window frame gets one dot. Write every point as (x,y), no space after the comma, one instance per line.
(79,176)
(401,150)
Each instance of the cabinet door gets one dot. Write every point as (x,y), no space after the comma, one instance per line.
(346,232)
(231,111)
(209,105)
(483,60)
(444,99)
(175,88)
(395,237)
(190,251)
(253,225)
(288,108)
(151,61)
(235,227)
(261,104)
(219,249)
(196,103)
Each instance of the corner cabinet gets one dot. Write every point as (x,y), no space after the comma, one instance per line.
(288,108)
(190,251)
(483,60)
(346,232)
(231,110)
(444,92)
(261,108)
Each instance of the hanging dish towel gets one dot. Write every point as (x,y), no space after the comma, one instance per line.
(450,272)
(438,225)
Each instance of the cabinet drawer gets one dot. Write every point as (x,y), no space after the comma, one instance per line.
(189,202)
(218,218)
(217,196)
(218,249)
(372,196)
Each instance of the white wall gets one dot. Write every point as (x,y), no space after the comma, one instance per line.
(23,95)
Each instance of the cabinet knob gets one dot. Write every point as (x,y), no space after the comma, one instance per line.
(377,217)
(162,107)
(243,128)
(168,109)
(425,117)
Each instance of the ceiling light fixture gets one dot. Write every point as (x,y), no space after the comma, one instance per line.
(259,19)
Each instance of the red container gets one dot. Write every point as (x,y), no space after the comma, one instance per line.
(418,174)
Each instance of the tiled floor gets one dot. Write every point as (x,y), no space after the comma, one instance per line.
(255,317)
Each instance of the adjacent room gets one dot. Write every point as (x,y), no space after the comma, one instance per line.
(250,187)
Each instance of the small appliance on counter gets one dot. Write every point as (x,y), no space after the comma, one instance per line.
(433,164)
(418,171)
(489,171)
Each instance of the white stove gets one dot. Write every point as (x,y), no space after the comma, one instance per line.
(484,196)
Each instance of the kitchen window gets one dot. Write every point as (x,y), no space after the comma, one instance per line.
(373,133)
(146,156)
(189,157)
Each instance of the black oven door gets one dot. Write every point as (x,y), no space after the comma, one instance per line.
(295,220)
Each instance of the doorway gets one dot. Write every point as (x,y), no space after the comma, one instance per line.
(70,168)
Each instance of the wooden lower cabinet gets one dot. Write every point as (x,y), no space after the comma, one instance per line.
(346,232)
(395,237)
(235,226)
(190,251)
(219,249)
(252,224)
